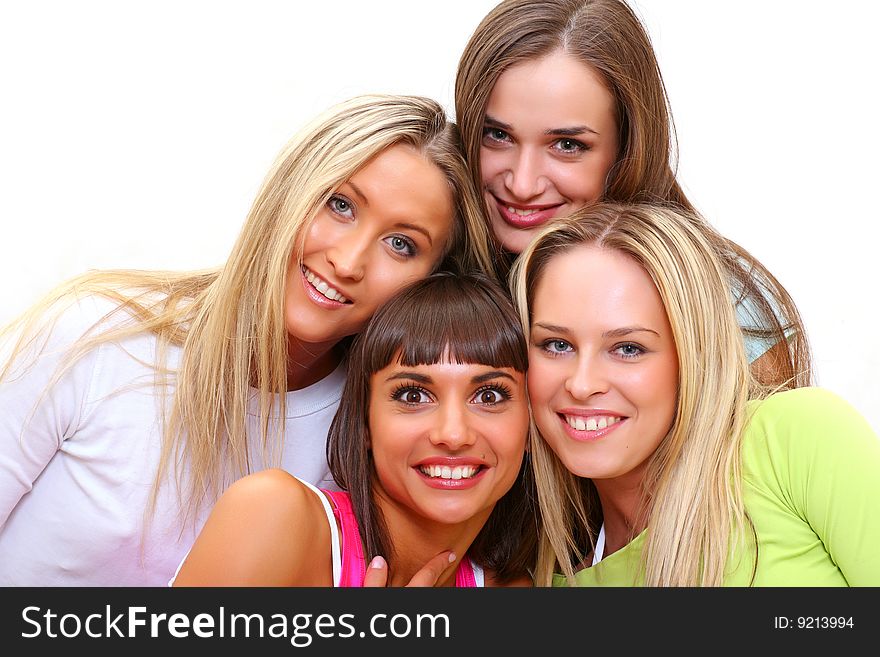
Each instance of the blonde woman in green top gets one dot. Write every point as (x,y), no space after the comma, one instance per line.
(659,461)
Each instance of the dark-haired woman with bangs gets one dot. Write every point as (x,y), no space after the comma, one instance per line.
(428,446)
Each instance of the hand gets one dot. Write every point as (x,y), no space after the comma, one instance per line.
(377,572)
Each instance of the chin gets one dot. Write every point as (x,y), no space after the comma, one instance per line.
(519,240)
(450,515)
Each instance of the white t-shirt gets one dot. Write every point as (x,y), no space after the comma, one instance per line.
(77,464)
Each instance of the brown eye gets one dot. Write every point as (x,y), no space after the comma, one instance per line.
(495,134)
(491,395)
(569,146)
(411,395)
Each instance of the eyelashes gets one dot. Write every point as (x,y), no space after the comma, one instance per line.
(556,347)
(413,394)
(339,204)
(564,146)
(410,394)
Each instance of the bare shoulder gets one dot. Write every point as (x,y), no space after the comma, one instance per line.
(277,488)
(267,529)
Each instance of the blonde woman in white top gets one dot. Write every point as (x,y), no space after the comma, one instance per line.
(129,400)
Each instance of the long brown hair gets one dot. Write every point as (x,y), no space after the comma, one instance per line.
(607,36)
(468,319)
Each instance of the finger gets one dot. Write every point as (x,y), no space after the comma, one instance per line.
(431,571)
(377,573)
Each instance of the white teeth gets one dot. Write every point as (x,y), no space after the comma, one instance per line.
(521,213)
(447,472)
(322,286)
(593,423)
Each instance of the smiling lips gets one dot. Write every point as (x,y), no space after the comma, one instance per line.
(590,427)
(448,475)
(321,286)
(447,472)
(526,216)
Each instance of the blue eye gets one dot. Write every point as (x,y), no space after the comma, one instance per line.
(556,346)
(629,350)
(402,245)
(340,205)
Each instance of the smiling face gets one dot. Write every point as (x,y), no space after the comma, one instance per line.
(603,369)
(385,227)
(447,439)
(549,140)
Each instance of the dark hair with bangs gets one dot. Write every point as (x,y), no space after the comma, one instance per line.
(460,318)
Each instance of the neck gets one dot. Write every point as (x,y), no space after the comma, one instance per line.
(309,363)
(622,502)
(417,540)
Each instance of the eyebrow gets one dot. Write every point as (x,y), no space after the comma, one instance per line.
(422,378)
(358,192)
(613,333)
(400,224)
(491,120)
(418,229)
(572,131)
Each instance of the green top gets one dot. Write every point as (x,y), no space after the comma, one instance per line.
(811,486)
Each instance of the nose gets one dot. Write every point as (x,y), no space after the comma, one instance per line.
(525,179)
(588,377)
(453,428)
(348,256)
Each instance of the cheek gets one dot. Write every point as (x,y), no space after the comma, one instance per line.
(520,428)
(583,184)
(384,447)
(514,426)
(386,279)
(491,164)
(655,391)
(320,234)
(670,389)
(293,276)
(543,381)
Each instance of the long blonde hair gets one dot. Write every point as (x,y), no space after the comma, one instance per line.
(608,37)
(691,496)
(230,321)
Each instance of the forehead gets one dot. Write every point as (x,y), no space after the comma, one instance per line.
(401,184)
(444,370)
(555,90)
(596,286)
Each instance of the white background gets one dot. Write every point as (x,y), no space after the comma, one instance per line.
(136,134)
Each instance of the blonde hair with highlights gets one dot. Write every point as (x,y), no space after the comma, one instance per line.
(230,321)
(608,37)
(691,496)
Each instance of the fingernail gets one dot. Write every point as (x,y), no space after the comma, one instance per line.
(451,557)
(377,562)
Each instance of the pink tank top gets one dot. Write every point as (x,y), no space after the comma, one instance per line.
(354,565)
